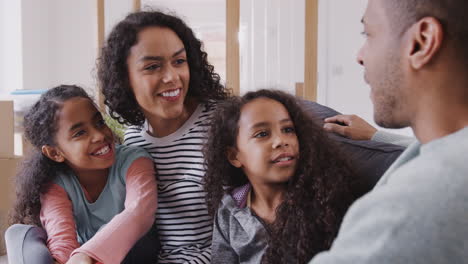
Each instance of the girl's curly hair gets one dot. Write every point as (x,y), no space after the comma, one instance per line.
(317,195)
(113,71)
(37,171)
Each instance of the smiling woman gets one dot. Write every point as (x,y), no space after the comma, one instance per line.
(159,77)
(156,78)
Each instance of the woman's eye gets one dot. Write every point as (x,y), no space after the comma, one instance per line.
(261,134)
(180,61)
(152,67)
(289,130)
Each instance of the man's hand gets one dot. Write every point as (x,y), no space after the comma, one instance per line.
(350,126)
(80,258)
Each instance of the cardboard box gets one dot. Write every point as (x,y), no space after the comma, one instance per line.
(3,227)
(8,168)
(7,132)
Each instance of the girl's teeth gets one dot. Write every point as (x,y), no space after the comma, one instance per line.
(284,159)
(103,151)
(171,94)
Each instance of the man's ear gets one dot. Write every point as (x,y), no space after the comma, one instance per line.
(231,154)
(426,39)
(52,153)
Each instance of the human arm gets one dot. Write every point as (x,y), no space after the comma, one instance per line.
(386,137)
(114,240)
(57,219)
(80,258)
(356,128)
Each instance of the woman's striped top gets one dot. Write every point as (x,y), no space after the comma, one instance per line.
(182,219)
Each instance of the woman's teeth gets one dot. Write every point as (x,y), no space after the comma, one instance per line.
(172,93)
(283,159)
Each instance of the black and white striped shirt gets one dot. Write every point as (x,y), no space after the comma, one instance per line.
(182,219)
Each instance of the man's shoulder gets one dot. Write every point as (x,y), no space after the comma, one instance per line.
(439,166)
(431,186)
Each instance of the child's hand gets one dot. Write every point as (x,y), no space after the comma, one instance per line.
(80,258)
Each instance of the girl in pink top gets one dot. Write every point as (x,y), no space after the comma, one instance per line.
(94,199)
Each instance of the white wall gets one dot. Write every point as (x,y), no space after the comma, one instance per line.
(341,83)
(200,13)
(74,45)
(115,11)
(271,44)
(46,43)
(36,48)
(11,74)
(3,27)
(59,43)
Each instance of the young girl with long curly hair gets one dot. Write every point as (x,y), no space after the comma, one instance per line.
(80,197)
(276,185)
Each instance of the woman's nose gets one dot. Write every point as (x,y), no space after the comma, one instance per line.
(169,74)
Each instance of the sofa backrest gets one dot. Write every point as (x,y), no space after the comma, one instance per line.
(370,158)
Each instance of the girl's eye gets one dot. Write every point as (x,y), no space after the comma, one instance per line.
(79,134)
(101,123)
(289,130)
(261,134)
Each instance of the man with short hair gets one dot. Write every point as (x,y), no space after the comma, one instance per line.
(416,62)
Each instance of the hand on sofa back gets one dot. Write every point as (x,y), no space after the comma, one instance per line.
(370,158)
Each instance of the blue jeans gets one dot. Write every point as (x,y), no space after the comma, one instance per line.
(26,244)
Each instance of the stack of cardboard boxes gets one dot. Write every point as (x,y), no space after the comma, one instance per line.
(8,166)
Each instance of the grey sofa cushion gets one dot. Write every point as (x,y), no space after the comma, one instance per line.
(370,158)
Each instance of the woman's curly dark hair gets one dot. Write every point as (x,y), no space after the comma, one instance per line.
(113,71)
(317,195)
(37,171)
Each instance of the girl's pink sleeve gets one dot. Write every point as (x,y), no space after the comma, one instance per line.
(112,243)
(57,219)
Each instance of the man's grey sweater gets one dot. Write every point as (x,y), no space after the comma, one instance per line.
(417,213)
